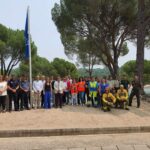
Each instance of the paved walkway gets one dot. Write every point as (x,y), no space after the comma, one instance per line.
(86,142)
(75,117)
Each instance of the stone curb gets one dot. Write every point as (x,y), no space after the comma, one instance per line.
(72,131)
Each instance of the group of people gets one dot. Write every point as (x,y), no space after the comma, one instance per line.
(48,92)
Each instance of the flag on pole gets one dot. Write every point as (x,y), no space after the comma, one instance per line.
(28,48)
(26,35)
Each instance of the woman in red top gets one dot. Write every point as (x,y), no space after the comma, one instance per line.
(81,91)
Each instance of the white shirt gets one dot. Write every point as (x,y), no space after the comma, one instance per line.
(43,82)
(3,85)
(58,86)
(37,86)
(65,86)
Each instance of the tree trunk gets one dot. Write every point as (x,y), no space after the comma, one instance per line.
(139,70)
(115,65)
(111,70)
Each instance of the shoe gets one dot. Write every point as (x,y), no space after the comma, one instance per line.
(108,109)
(127,109)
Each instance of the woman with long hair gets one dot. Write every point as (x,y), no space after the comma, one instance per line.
(47,93)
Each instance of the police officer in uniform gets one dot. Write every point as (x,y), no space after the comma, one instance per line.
(13,86)
(135,91)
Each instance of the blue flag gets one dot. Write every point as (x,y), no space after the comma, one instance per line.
(26,35)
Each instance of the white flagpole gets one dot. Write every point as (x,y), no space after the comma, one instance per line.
(30,63)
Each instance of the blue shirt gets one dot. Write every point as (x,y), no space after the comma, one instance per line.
(25,85)
(103,86)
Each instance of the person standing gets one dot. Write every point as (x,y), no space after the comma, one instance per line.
(53,91)
(42,92)
(74,92)
(81,90)
(6,78)
(58,88)
(25,87)
(67,85)
(47,93)
(135,91)
(93,88)
(3,93)
(125,82)
(37,88)
(13,86)
(102,87)
(87,98)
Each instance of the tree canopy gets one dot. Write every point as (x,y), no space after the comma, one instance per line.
(41,66)
(12,47)
(128,68)
(108,24)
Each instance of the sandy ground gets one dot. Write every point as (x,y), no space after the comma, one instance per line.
(75,117)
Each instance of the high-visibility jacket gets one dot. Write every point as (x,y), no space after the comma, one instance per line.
(93,86)
(122,94)
(108,97)
(81,86)
(74,88)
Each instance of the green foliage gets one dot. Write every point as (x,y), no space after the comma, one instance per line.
(64,67)
(129,67)
(41,66)
(96,72)
(12,47)
(96,27)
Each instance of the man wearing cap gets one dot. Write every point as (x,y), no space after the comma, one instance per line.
(122,98)
(108,100)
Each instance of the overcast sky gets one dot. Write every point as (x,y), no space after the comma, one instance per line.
(43,30)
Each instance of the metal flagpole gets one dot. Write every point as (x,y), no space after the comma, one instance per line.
(30,58)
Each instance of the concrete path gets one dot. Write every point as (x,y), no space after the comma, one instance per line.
(75,120)
(90,142)
(75,117)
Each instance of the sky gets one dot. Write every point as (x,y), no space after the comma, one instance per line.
(43,30)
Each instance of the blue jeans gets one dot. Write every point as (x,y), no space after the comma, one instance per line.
(81,97)
(47,99)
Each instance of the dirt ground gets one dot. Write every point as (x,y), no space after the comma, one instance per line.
(75,117)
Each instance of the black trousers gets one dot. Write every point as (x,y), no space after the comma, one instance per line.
(13,97)
(137,94)
(2,102)
(25,99)
(20,100)
(42,99)
(58,100)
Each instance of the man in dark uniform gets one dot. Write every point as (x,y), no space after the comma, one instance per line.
(13,86)
(135,91)
(125,82)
